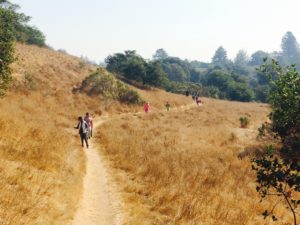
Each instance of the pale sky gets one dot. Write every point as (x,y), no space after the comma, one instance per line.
(191,29)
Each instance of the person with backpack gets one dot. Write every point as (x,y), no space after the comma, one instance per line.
(83,131)
(88,119)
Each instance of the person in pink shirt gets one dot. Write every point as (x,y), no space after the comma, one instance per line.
(147,107)
(88,119)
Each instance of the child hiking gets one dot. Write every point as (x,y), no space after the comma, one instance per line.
(83,131)
(147,107)
(88,119)
(168,106)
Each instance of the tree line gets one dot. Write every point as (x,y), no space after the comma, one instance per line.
(278,169)
(14,27)
(236,79)
(22,31)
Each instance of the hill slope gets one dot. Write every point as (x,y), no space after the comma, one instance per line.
(42,166)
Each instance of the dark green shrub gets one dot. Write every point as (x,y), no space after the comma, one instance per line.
(106,85)
(6,48)
(278,174)
(244,122)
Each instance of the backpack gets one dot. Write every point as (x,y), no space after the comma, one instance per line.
(83,127)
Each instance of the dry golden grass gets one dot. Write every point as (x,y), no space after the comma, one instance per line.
(41,166)
(183,167)
(158,98)
(41,171)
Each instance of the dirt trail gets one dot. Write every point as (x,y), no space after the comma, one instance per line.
(98,206)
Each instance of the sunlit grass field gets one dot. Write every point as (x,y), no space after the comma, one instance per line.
(41,162)
(188,166)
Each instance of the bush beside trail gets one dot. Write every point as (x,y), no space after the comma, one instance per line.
(105,84)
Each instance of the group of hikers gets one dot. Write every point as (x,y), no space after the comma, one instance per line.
(85,126)
(195,98)
(147,107)
(85,123)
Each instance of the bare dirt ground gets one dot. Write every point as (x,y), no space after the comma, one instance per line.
(99,204)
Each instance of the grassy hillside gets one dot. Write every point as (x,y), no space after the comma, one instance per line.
(42,165)
(188,166)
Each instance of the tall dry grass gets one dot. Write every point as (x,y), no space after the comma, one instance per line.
(41,164)
(183,167)
(158,98)
(40,171)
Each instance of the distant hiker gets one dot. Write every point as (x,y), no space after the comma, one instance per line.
(147,107)
(198,101)
(187,93)
(168,106)
(83,131)
(88,119)
(193,97)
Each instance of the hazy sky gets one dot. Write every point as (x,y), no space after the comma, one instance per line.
(191,29)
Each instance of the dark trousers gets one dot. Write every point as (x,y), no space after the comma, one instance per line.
(83,137)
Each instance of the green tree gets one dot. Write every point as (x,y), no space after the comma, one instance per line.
(6,47)
(278,173)
(290,49)
(35,36)
(175,72)
(218,78)
(129,65)
(160,54)
(241,63)
(258,57)
(240,92)
(116,63)
(155,75)
(135,69)
(176,69)
(284,96)
(241,58)
(195,75)
(220,57)
(22,31)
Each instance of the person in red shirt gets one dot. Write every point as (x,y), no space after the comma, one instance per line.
(147,107)
(88,119)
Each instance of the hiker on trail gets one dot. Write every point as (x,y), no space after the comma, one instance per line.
(187,93)
(198,101)
(88,119)
(147,107)
(83,131)
(168,106)
(193,97)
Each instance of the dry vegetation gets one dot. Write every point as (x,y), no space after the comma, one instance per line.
(188,167)
(178,167)
(158,98)
(42,167)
